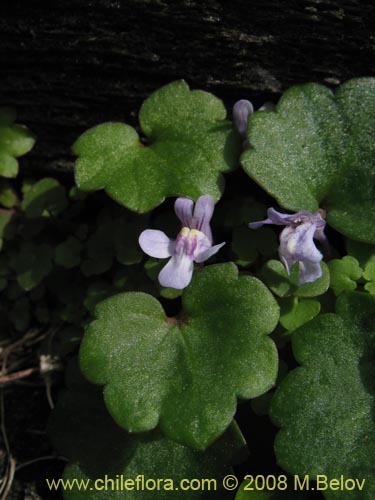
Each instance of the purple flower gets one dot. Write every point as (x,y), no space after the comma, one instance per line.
(297,240)
(241,112)
(193,243)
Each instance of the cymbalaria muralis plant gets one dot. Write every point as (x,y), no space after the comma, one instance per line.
(168,361)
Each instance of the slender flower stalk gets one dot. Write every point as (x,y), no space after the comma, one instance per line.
(297,240)
(193,242)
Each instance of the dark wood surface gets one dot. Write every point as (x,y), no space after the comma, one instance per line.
(68,65)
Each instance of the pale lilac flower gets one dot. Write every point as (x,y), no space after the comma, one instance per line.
(193,243)
(297,240)
(241,112)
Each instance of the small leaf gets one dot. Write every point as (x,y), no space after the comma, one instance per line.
(363,252)
(191,144)
(344,274)
(5,219)
(83,431)
(46,196)
(325,407)
(100,250)
(8,195)
(317,148)
(68,253)
(32,264)
(294,313)
(185,372)
(96,292)
(15,141)
(277,279)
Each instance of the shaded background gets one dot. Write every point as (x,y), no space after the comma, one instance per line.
(68,65)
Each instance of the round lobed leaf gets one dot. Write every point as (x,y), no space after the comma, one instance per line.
(82,430)
(15,141)
(184,373)
(325,407)
(190,146)
(317,148)
(45,196)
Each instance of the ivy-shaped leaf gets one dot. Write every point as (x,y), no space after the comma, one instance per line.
(362,252)
(68,253)
(15,140)
(318,149)
(344,274)
(294,312)
(190,145)
(8,195)
(369,276)
(282,284)
(365,255)
(32,264)
(184,373)
(5,224)
(45,197)
(82,430)
(326,407)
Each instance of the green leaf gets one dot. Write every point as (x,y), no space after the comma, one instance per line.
(277,279)
(15,141)
(83,431)
(100,251)
(8,195)
(68,253)
(46,196)
(344,274)
(184,373)
(190,145)
(96,292)
(32,264)
(317,148)
(365,255)
(325,407)
(294,313)
(5,219)
(363,252)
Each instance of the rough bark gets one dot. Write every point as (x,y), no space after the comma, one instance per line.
(71,64)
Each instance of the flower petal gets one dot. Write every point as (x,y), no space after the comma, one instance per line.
(297,245)
(298,242)
(204,208)
(177,273)
(241,112)
(309,271)
(156,243)
(184,210)
(206,254)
